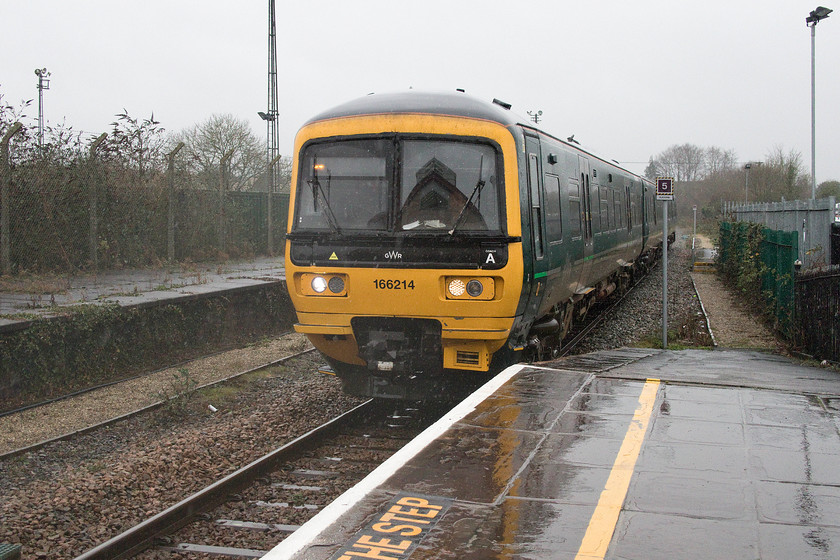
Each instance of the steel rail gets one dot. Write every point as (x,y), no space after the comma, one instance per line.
(142,536)
(88,429)
(116,381)
(597,319)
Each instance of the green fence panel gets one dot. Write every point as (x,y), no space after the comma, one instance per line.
(777,252)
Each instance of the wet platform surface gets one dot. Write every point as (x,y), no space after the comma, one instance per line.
(725,454)
(41,297)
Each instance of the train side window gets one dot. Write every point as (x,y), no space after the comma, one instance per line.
(587,222)
(536,207)
(574,207)
(628,201)
(619,214)
(553,222)
(602,209)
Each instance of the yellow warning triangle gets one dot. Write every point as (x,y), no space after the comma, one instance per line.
(333,257)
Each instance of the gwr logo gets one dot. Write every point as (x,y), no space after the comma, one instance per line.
(393,255)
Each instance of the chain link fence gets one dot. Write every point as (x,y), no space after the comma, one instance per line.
(89,211)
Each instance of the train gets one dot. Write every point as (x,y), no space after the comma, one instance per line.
(434,238)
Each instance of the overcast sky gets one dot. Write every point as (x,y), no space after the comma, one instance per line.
(627,78)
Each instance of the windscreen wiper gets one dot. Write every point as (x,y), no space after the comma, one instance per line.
(315,184)
(478,186)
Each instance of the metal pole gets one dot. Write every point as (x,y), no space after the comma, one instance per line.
(222,188)
(43,83)
(269,208)
(272,133)
(170,217)
(5,180)
(93,240)
(693,235)
(747,184)
(813,117)
(665,275)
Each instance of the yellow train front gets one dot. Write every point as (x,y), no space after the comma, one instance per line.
(435,236)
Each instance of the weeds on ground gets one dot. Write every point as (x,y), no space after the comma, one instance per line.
(179,393)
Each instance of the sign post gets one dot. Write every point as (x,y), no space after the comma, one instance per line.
(665,192)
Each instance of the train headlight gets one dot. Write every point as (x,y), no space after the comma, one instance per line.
(474,288)
(319,284)
(457,287)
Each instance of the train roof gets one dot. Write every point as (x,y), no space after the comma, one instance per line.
(455,103)
(445,103)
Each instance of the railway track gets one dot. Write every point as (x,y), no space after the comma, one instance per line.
(249,511)
(600,311)
(595,317)
(119,418)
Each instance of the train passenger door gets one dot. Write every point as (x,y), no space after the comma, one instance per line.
(537,225)
(586,204)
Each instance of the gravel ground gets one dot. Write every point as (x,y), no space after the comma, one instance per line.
(66,416)
(732,325)
(71,495)
(638,319)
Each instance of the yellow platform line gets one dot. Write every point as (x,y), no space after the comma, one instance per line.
(602,525)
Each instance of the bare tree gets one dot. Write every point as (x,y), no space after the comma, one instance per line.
(782,176)
(829,188)
(717,160)
(209,141)
(683,162)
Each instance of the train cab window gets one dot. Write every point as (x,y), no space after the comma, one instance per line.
(343,185)
(553,222)
(442,186)
(445,184)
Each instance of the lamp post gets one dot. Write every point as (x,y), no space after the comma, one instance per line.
(747,183)
(811,21)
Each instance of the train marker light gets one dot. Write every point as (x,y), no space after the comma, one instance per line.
(456,287)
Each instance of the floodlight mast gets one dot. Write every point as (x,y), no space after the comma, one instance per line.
(43,83)
(811,21)
(270,118)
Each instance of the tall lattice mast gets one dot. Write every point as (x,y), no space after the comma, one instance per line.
(273,137)
(270,118)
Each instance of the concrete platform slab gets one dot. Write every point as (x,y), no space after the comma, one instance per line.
(724,455)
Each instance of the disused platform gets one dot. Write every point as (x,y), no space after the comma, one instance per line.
(626,454)
(64,334)
(44,298)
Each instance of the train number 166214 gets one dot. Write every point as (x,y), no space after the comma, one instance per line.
(382,284)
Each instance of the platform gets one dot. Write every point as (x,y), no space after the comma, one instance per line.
(626,454)
(45,297)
